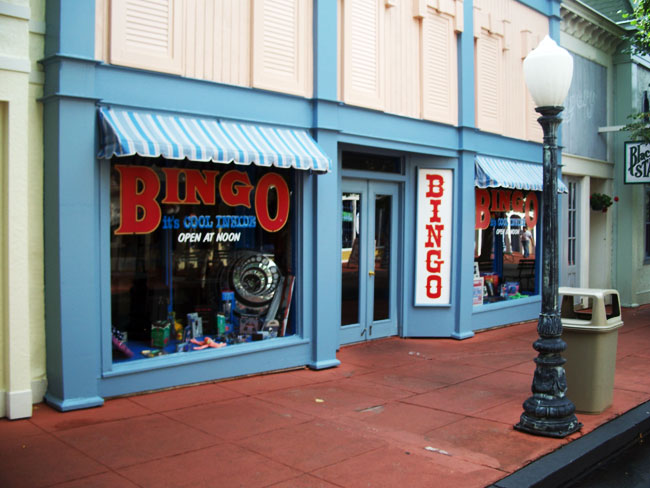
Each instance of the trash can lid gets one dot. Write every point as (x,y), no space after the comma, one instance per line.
(567,290)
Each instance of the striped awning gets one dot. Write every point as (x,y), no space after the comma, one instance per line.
(505,173)
(151,134)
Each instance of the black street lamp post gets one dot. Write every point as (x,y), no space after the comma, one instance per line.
(548,412)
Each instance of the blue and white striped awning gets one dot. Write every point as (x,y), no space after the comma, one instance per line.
(149,134)
(504,173)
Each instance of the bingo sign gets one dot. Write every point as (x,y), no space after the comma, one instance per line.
(141,212)
(433,237)
(637,162)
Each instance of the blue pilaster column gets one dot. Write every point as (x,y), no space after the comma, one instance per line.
(72,305)
(325,293)
(465,205)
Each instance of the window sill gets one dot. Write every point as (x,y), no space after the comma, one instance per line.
(488,307)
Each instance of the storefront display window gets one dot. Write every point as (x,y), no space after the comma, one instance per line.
(505,244)
(201,256)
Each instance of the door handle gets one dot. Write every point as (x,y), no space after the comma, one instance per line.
(371,273)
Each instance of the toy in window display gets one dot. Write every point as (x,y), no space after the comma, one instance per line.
(255,279)
(247,298)
(249,324)
(257,284)
(287,295)
(119,343)
(275,303)
(160,333)
(271,328)
(227,306)
(205,343)
(221,325)
(196,324)
(510,290)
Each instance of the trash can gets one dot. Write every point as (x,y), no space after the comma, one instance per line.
(590,321)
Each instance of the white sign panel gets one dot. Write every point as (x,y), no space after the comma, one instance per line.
(637,162)
(433,237)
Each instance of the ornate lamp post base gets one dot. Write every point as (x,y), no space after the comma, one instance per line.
(554,424)
(549,412)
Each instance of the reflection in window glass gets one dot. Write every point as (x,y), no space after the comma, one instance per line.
(201,256)
(350,238)
(381,301)
(505,244)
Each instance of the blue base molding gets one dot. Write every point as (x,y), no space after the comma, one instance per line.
(462,335)
(73,403)
(330,363)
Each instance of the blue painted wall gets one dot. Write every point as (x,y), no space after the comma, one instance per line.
(80,371)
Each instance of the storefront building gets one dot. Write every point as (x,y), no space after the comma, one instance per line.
(605,245)
(22,336)
(588,156)
(247,187)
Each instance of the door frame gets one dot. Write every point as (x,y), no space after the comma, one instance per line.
(581,229)
(368,186)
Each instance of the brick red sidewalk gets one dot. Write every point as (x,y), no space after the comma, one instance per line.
(397,412)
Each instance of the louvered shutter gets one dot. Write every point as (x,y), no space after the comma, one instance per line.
(439,68)
(489,98)
(282,46)
(363,53)
(147,34)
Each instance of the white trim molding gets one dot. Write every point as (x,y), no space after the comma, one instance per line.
(17,11)
(589,26)
(18,404)
(11,63)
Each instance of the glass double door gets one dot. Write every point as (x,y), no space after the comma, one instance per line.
(369,257)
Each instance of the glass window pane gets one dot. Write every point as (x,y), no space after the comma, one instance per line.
(198,252)
(371,162)
(505,244)
(350,238)
(382,257)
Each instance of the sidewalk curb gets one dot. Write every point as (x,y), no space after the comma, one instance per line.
(576,459)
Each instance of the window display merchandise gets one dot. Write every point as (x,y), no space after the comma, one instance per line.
(201,256)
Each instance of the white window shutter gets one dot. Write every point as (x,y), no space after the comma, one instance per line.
(363,55)
(282,46)
(147,34)
(439,68)
(489,97)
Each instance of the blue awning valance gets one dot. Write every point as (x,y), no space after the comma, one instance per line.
(505,173)
(150,134)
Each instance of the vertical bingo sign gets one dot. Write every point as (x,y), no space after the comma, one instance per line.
(433,237)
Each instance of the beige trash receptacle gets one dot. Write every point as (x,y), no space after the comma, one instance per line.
(590,321)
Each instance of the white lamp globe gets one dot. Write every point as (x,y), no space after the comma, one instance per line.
(548,70)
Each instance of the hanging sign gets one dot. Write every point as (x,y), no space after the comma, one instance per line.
(637,162)
(433,237)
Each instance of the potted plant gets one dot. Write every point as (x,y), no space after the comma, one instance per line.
(600,201)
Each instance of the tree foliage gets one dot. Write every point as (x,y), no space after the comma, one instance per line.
(639,36)
(639,40)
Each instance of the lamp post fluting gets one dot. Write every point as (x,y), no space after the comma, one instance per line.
(548,412)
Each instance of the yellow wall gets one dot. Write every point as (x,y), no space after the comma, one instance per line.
(22,331)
